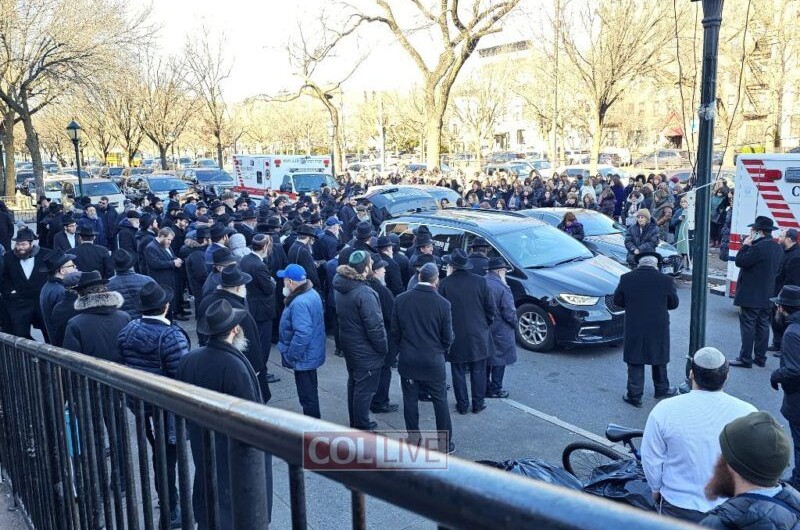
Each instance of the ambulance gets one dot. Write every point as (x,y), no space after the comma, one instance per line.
(287,174)
(764,184)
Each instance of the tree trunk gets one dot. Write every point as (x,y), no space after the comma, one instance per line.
(218,135)
(432,128)
(130,154)
(32,143)
(777,138)
(162,151)
(597,135)
(8,150)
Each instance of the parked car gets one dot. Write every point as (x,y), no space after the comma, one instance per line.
(563,293)
(663,158)
(400,199)
(603,235)
(501,157)
(205,162)
(94,188)
(544,167)
(684,174)
(209,181)
(159,184)
(585,169)
(111,171)
(517,169)
(74,172)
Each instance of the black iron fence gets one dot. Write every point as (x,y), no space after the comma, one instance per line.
(78,435)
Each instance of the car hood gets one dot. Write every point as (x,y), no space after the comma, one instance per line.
(597,276)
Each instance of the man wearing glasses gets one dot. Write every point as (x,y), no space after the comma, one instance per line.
(57,265)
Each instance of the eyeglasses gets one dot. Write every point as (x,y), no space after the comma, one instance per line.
(70,266)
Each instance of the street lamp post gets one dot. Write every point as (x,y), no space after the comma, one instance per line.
(75,132)
(712,19)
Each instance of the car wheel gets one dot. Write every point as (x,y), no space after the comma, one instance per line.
(535,331)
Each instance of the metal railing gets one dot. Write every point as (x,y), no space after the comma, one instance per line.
(59,409)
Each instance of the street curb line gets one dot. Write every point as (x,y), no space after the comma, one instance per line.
(567,426)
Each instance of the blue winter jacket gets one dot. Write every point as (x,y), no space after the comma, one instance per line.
(152,346)
(301,335)
(128,284)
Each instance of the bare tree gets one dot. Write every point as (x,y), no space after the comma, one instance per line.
(50,46)
(123,106)
(166,105)
(611,44)
(457,27)
(208,68)
(479,103)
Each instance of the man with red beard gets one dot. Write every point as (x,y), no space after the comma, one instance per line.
(23,278)
(755,453)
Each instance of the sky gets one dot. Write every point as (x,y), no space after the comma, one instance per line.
(257,33)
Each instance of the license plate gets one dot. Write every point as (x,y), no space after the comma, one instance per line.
(669,269)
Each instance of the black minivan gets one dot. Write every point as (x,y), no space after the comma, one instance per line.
(563,293)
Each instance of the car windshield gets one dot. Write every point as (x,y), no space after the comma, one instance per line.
(309,182)
(541,164)
(52,185)
(159,185)
(213,176)
(598,225)
(92,189)
(114,171)
(541,246)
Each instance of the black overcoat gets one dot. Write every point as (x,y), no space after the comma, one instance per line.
(758,267)
(473,312)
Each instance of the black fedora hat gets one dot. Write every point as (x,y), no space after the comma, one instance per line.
(383,242)
(497,263)
(641,255)
(763,223)
(423,259)
(249,214)
(222,256)
(458,260)
(364,230)
(123,260)
(152,296)
(220,317)
(232,276)
(88,279)
(789,296)
(86,231)
(24,234)
(479,242)
(423,240)
(54,260)
(307,230)
(68,220)
(218,230)
(202,232)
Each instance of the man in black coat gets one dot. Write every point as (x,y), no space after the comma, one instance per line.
(261,295)
(377,281)
(67,239)
(473,312)
(300,253)
(109,217)
(90,256)
(361,326)
(162,265)
(647,296)
(148,228)
(222,367)
(478,258)
(401,259)
(64,310)
(126,232)
(327,245)
(22,280)
(422,329)
(193,255)
(248,225)
(788,274)
(758,261)
(394,279)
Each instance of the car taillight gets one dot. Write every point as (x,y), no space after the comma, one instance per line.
(326,163)
(277,162)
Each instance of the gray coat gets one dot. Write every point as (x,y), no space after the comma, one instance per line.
(504,337)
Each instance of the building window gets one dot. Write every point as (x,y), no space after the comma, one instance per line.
(520,137)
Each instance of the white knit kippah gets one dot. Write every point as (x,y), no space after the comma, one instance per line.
(709,358)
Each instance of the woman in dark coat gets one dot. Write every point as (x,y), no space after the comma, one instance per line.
(503,335)
(6,226)
(570,225)
(642,236)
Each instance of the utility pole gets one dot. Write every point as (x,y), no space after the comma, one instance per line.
(554,126)
(712,19)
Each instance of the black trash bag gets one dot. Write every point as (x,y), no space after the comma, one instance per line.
(622,481)
(538,469)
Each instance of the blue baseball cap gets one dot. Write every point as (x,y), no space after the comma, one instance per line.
(294,272)
(332,221)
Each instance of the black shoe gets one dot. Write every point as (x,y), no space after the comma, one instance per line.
(738,363)
(776,354)
(462,411)
(451,449)
(272,378)
(425,397)
(671,392)
(476,410)
(501,394)
(339,353)
(175,522)
(760,362)
(371,426)
(774,348)
(630,401)
(182,318)
(385,409)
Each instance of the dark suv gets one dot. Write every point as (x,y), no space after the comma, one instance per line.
(563,293)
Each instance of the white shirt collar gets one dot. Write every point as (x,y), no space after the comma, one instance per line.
(159,318)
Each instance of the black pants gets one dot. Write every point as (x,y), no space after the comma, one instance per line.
(361,387)
(754,328)
(477,380)
(636,380)
(306,383)
(438,392)
(494,379)
(381,398)
(795,430)
(265,337)
(332,324)
(778,327)
(684,514)
(172,465)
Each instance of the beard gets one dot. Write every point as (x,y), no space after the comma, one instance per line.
(23,254)
(240,342)
(721,484)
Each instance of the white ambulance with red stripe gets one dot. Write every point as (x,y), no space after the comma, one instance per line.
(765,184)
(287,174)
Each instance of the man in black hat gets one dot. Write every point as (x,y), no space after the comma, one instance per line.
(300,253)
(219,234)
(647,295)
(758,261)
(788,375)
(401,259)
(277,259)
(126,231)
(42,224)
(504,338)
(55,223)
(64,310)
(327,245)
(163,265)
(23,279)
(126,281)
(248,225)
(221,259)
(473,312)
(90,256)
(148,228)
(478,258)
(57,265)
(193,255)
(423,245)
(155,345)
(222,367)
(90,218)
(67,239)
(421,260)
(788,274)
(362,238)
(377,281)
(394,279)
